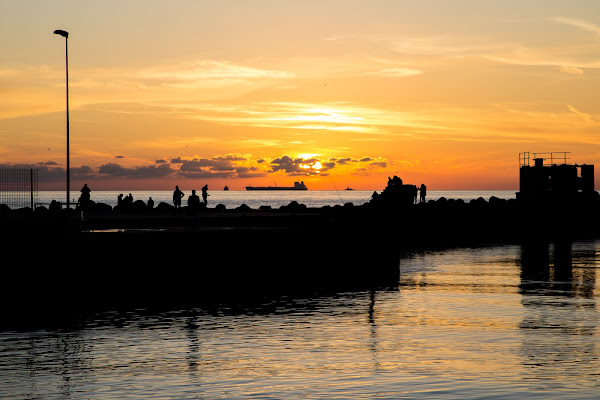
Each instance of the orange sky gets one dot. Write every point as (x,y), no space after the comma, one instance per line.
(335,93)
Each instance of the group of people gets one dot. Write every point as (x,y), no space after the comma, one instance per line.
(193,199)
(123,202)
(422,193)
(127,201)
(407,193)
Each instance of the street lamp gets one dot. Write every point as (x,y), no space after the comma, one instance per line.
(65,34)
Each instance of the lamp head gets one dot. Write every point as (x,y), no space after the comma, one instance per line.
(62,33)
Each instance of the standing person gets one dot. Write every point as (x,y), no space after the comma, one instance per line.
(193,202)
(423,192)
(177,195)
(150,203)
(85,193)
(205,194)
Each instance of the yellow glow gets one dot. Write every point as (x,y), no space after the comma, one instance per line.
(375,93)
(306,156)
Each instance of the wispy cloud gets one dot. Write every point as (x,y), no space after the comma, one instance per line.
(570,70)
(208,69)
(396,72)
(586,117)
(578,23)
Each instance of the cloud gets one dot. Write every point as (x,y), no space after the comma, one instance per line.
(296,166)
(207,72)
(570,70)
(219,166)
(229,166)
(249,172)
(578,23)
(113,170)
(315,166)
(586,117)
(381,164)
(81,171)
(396,72)
(46,173)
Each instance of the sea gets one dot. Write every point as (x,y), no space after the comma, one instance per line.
(255,199)
(492,322)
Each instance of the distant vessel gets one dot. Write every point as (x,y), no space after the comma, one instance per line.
(297,186)
(348,188)
(226,187)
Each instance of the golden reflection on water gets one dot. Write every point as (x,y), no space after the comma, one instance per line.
(546,294)
(491,322)
(560,323)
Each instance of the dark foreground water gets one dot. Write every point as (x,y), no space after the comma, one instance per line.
(495,322)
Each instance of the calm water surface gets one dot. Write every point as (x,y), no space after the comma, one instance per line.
(493,322)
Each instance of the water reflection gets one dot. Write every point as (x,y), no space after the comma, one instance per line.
(549,269)
(492,322)
(373,328)
(193,355)
(557,293)
(61,358)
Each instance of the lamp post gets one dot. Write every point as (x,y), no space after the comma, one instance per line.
(65,34)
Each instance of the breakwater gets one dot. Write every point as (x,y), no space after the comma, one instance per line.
(100,257)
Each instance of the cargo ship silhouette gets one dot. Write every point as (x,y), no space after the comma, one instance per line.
(297,186)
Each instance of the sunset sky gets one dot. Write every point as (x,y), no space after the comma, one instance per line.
(344,93)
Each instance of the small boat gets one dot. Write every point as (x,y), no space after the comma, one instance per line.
(348,188)
(226,187)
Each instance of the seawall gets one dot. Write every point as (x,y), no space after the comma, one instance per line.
(69,263)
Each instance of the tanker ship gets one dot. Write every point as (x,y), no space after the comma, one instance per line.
(297,186)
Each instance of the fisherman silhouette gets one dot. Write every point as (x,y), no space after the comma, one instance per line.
(177,195)
(423,192)
(205,194)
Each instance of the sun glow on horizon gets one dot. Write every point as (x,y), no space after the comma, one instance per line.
(383,90)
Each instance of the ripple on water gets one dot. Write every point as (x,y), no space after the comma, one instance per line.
(469,323)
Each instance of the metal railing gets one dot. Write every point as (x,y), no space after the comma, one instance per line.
(549,158)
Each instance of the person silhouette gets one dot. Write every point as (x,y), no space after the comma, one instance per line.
(127,201)
(150,203)
(205,194)
(193,202)
(423,192)
(177,195)
(85,193)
